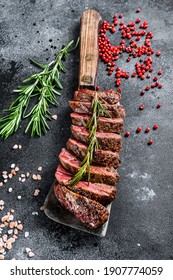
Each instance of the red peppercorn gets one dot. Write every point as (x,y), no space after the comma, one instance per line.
(159,72)
(150,142)
(138,129)
(142,107)
(160,86)
(158,106)
(128,59)
(142,92)
(120,15)
(138,10)
(158,53)
(147,130)
(147,88)
(138,20)
(133,74)
(150,70)
(155,126)
(97,88)
(127,134)
(113,30)
(155,79)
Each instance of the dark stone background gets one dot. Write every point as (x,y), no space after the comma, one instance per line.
(142,213)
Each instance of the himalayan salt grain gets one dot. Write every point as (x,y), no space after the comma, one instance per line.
(13,165)
(40,168)
(26,234)
(2,202)
(19,197)
(15,147)
(20,227)
(20,147)
(38,177)
(1,184)
(28,250)
(54,117)
(36,192)
(16,168)
(34,177)
(10,190)
(31,254)
(1,257)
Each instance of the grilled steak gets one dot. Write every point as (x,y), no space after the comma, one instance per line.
(115,110)
(103,124)
(105,158)
(90,212)
(107,96)
(100,192)
(98,174)
(107,141)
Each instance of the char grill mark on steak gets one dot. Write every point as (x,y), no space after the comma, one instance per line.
(107,96)
(100,192)
(98,174)
(105,158)
(103,124)
(90,212)
(115,110)
(107,141)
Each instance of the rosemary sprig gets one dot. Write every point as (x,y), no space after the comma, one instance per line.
(98,110)
(43,86)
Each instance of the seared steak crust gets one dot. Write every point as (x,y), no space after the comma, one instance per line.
(100,192)
(103,124)
(90,212)
(104,158)
(81,107)
(107,141)
(98,174)
(108,96)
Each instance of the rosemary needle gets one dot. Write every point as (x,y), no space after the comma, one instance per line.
(43,86)
(98,110)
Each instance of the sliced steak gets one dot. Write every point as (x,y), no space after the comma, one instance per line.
(108,96)
(98,174)
(105,158)
(100,192)
(103,124)
(89,212)
(107,141)
(115,110)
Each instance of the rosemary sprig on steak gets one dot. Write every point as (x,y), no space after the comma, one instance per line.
(98,110)
(42,87)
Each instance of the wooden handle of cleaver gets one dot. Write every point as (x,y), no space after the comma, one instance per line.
(89,56)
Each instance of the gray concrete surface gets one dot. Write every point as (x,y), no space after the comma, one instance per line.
(141,222)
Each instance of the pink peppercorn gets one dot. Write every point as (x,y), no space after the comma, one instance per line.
(147,130)
(127,134)
(150,141)
(138,129)
(155,126)
(158,106)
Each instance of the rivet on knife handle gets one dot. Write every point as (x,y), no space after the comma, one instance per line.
(88,66)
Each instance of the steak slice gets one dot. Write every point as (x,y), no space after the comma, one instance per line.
(108,96)
(100,192)
(107,141)
(105,158)
(98,174)
(81,107)
(90,212)
(103,124)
